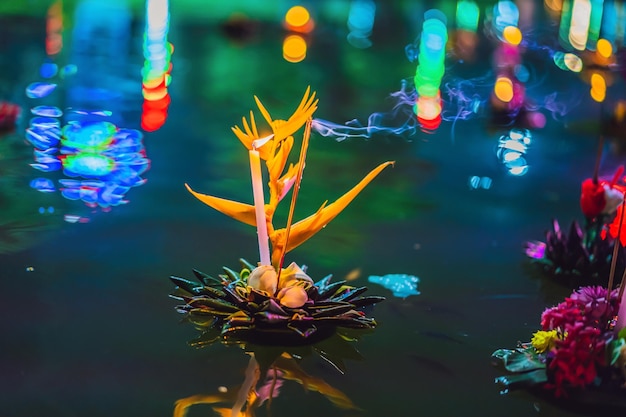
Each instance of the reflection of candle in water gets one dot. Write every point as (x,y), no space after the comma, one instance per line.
(259,206)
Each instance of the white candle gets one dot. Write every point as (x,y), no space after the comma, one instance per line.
(259,207)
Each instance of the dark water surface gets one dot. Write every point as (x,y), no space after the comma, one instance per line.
(87,328)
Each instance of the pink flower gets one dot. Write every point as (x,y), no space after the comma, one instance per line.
(577,357)
(593,301)
(582,325)
(535,249)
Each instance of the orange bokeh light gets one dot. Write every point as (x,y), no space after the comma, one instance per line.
(512,35)
(297,16)
(152,94)
(155,82)
(598,82)
(298,19)
(294,48)
(429,108)
(604,48)
(598,87)
(503,89)
(598,95)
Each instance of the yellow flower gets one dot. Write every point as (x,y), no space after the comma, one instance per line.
(543,340)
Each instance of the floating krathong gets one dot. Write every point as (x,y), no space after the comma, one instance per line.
(583,255)
(580,352)
(575,256)
(232,309)
(578,356)
(266,303)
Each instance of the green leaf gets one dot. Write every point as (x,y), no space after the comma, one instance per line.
(519,360)
(535,377)
(615,349)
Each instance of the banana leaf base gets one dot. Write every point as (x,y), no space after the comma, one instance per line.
(227,310)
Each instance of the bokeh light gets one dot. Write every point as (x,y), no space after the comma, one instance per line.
(579,25)
(565,23)
(54,28)
(361,23)
(505,13)
(598,87)
(298,19)
(595,23)
(536,120)
(101,160)
(573,62)
(156,72)
(503,89)
(511,150)
(294,48)
(613,22)
(40,90)
(48,69)
(430,68)
(467,15)
(568,61)
(604,48)
(297,16)
(512,35)
(554,5)
(428,108)
(598,95)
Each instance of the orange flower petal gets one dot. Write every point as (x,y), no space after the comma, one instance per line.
(239,211)
(306,228)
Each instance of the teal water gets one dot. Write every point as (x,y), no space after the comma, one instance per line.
(87,326)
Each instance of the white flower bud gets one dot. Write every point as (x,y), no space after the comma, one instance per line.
(293,297)
(613,198)
(263,278)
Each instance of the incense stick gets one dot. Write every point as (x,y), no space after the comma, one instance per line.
(294,195)
(596,168)
(615,250)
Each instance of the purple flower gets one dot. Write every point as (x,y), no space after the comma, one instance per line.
(535,249)
(593,301)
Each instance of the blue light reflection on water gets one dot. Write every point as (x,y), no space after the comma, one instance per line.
(85,144)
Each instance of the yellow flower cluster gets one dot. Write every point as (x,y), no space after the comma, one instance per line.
(543,340)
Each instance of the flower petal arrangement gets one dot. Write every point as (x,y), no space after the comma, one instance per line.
(577,256)
(239,306)
(579,352)
(583,255)
(266,303)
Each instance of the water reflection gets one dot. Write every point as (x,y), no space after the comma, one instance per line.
(103,162)
(24,216)
(271,368)
(86,155)
(401,285)
(157,68)
(470,240)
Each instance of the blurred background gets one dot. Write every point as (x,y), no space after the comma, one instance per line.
(492,111)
